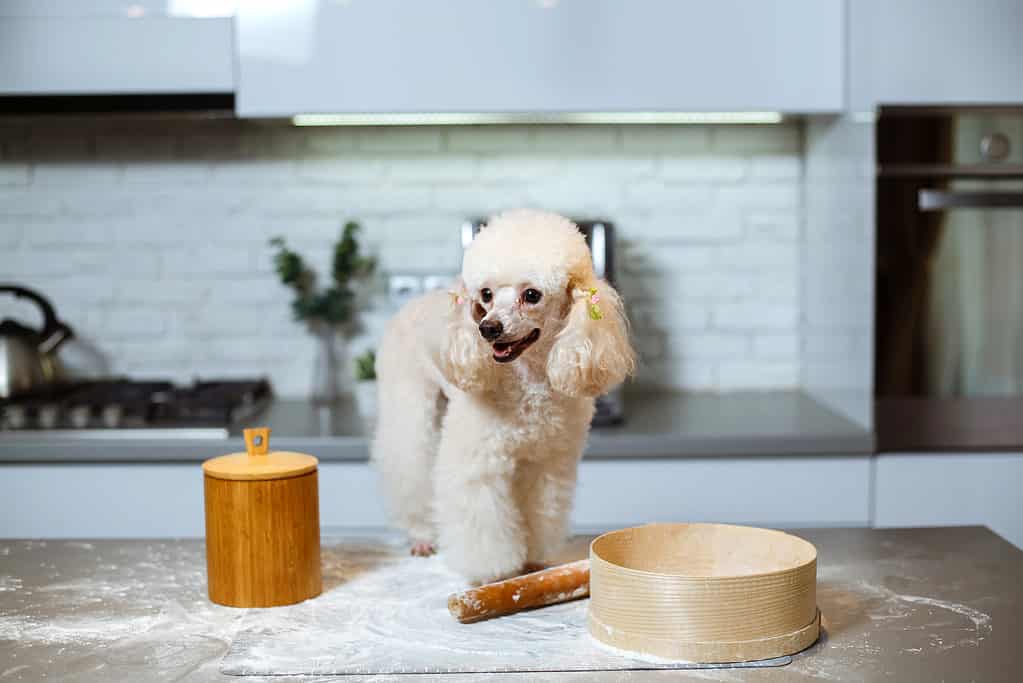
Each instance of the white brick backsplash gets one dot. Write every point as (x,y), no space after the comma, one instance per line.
(58,234)
(14,173)
(207,261)
(662,195)
(716,223)
(174,172)
(668,314)
(574,196)
(488,138)
(267,173)
(687,375)
(756,139)
(755,316)
(707,345)
(780,345)
(76,173)
(519,168)
(431,170)
(10,235)
(341,170)
(775,168)
(709,169)
(480,200)
(387,139)
(136,323)
(662,139)
(329,142)
(163,292)
(759,255)
(774,227)
(152,240)
(589,139)
(761,196)
(667,258)
(29,202)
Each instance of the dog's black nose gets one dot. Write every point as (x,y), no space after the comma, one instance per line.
(491,329)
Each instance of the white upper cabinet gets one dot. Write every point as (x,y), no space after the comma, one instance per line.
(68,47)
(935,52)
(539,56)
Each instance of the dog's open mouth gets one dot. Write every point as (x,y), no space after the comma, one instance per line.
(506,352)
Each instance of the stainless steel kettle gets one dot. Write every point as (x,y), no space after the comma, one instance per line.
(28,358)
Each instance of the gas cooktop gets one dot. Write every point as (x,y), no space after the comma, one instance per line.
(123,407)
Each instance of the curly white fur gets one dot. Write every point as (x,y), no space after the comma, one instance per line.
(480,456)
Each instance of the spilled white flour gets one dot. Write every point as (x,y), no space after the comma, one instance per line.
(111,612)
(386,614)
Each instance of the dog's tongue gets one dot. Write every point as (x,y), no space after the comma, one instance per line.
(502,350)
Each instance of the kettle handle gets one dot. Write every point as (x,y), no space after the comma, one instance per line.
(54,332)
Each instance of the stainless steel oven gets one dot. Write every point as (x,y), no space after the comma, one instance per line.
(949,326)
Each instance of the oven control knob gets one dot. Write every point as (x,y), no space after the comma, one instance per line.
(111,415)
(48,415)
(14,417)
(80,416)
(994,147)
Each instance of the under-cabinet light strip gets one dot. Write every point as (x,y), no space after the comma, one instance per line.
(469,119)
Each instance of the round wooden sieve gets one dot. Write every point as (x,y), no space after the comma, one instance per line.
(704,592)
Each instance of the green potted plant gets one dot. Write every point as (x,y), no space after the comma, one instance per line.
(330,311)
(366,383)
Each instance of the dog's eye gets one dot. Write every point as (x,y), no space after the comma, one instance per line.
(486,295)
(531,296)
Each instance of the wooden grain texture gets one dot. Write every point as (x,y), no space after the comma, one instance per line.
(704,592)
(537,589)
(263,540)
(245,467)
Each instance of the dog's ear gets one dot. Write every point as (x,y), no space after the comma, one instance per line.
(465,356)
(592,352)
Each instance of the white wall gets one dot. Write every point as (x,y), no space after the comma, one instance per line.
(151,237)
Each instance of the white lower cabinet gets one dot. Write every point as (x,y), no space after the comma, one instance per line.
(163,500)
(941,489)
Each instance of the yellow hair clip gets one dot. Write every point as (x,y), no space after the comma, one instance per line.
(457,298)
(592,299)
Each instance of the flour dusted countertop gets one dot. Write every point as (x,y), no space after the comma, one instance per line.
(923,604)
(657,424)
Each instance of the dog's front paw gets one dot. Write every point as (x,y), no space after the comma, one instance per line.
(422,549)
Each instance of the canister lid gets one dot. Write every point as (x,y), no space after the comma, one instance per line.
(258,463)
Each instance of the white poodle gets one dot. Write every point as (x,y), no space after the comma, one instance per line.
(486,396)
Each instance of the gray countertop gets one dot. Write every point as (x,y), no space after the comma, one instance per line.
(899,604)
(656,425)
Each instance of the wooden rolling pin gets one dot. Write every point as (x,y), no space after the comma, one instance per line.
(545,587)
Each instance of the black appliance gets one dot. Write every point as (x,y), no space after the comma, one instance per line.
(949,278)
(123,407)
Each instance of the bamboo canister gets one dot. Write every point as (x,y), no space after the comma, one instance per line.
(262,526)
(704,592)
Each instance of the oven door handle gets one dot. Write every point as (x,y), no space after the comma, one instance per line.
(940,200)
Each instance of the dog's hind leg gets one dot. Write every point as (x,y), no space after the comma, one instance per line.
(404,451)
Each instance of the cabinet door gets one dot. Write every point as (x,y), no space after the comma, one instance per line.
(539,56)
(794,491)
(79,55)
(917,489)
(935,52)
